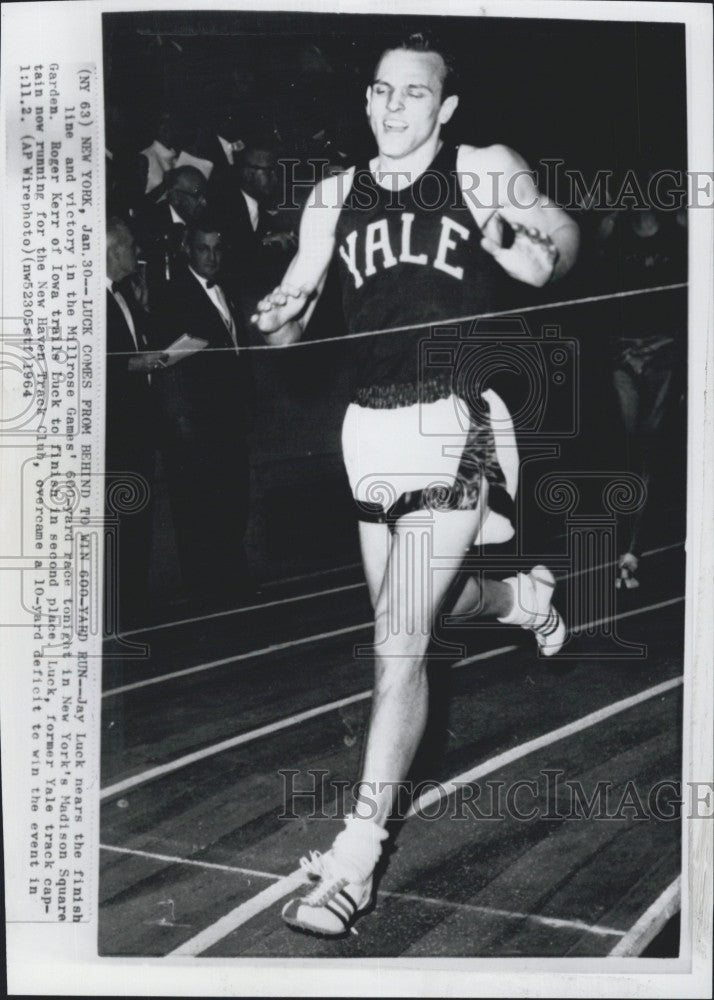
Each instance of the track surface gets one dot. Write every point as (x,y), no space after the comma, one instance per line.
(197,857)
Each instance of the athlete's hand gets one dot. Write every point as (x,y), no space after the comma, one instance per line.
(279,306)
(530,259)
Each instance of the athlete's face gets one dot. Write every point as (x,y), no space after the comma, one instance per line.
(404,103)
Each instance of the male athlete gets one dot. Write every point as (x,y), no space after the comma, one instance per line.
(414,248)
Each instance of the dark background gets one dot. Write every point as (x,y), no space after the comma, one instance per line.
(601,95)
(597,95)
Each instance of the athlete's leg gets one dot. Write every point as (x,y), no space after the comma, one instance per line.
(375,544)
(484,598)
(407,598)
(412,591)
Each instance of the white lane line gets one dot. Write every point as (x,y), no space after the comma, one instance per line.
(252,907)
(311,713)
(311,576)
(234,741)
(515,753)
(323,593)
(248,655)
(241,915)
(491,911)
(153,856)
(557,922)
(322,635)
(243,610)
(651,922)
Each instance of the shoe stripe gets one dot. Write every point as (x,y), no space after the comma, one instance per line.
(340,916)
(341,906)
(343,892)
(549,625)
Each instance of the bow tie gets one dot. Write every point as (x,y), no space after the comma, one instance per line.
(237,146)
(115,287)
(211,284)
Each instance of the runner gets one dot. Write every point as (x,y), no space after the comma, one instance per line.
(418,243)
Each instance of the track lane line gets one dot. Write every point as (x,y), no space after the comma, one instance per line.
(651,922)
(320,635)
(241,610)
(492,911)
(311,713)
(233,741)
(265,899)
(557,922)
(311,576)
(249,654)
(206,938)
(172,859)
(445,789)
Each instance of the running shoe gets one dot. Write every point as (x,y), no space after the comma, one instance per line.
(332,906)
(533,610)
(547,623)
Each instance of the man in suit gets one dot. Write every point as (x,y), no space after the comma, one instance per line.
(161,228)
(204,410)
(130,420)
(221,146)
(260,245)
(161,154)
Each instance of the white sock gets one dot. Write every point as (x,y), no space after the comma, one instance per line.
(518,615)
(358,847)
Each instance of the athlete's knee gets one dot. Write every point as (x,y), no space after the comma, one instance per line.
(399,638)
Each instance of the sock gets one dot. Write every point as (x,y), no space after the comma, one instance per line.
(358,847)
(518,615)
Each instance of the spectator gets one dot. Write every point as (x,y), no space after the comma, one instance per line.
(205,422)
(647,357)
(130,419)
(162,227)
(161,154)
(260,246)
(222,145)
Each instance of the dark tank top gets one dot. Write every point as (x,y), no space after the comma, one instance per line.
(409,259)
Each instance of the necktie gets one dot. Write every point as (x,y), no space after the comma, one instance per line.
(224,310)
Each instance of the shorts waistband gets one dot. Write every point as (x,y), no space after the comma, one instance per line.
(390,397)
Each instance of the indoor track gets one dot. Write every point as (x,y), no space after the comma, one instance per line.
(198,859)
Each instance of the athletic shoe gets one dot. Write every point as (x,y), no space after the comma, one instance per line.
(626,572)
(547,624)
(532,609)
(332,906)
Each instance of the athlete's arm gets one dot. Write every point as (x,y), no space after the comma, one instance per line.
(546,238)
(284,313)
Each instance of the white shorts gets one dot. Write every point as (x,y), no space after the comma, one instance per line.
(389,452)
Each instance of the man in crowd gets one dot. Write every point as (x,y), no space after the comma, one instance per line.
(162,227)
(161,153)
(413,255)
(130,422)
(204,408)
(221,147)
(260,244)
